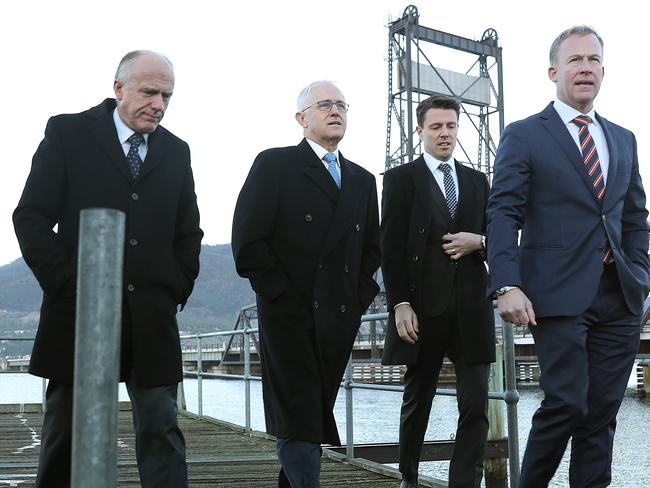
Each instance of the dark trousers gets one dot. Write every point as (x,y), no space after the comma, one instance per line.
(439,336)
(585,365)
(300,462)
(159,444)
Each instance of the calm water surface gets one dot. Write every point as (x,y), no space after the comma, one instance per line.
(376,419)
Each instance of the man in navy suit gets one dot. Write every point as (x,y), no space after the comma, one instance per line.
(568,179)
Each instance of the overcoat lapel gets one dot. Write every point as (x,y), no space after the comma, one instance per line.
(428,191)
(465,193)
(554,125)
(346,208)
(103,129)
(315,171)
(154,153)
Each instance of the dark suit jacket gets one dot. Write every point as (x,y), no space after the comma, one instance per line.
(80,164)
(310,251)
(540,186)
(414,266)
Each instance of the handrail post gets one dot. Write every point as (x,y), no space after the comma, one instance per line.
(199,372)
(247,376)
(349,417)
(97,348)
(511,399)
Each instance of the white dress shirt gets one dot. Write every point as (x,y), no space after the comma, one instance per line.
(434,166)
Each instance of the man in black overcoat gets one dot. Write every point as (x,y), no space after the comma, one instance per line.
(115,155)
(306,235)
(432,237)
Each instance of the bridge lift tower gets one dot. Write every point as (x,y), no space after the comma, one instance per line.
(413,76)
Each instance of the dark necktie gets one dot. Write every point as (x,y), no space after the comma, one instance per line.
(330,159)
(133,157)
(450,189)
(592,165)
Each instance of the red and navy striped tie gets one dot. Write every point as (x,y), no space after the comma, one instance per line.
(592,164)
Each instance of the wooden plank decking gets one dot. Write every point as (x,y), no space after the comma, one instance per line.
(218,455)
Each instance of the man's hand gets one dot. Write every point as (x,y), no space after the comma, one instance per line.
(460,244)
(407,323)
(515,307)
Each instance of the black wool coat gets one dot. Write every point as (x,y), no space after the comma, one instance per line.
(310,251)
(80,164)
(415,268)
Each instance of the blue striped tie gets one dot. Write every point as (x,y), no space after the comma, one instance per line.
(330,159)
(450,189)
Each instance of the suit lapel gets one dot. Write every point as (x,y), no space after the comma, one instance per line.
(612,170)
(346,207)
(554,125)
(465,193)
(315,171)
(103,129)
(430,194)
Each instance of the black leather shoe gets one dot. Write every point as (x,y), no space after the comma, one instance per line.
(408,484)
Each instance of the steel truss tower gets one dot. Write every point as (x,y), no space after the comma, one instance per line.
(412,77)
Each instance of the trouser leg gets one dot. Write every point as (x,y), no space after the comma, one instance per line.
(300,462)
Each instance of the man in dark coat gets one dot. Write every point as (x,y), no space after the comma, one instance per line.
(432,237)
(88,160)
(306,235)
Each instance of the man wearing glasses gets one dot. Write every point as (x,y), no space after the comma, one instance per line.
(306,235)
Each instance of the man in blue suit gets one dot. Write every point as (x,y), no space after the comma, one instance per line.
(568,180)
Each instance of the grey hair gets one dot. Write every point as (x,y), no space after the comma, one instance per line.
(304,93)
(581,30)
(123,73)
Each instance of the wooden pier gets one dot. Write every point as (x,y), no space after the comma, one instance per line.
(219,455)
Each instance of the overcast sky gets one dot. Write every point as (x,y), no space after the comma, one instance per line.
(240,65)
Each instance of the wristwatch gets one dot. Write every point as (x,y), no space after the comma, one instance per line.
(503,290)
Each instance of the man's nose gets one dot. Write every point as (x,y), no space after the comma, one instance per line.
(157,102)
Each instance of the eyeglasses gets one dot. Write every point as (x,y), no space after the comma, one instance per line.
(326,106)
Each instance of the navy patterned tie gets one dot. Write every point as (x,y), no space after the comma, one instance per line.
(592,166)
(330,159)
(450,189)
(133,157)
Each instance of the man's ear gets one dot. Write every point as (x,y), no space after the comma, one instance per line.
(300,118)
(118,89)
(552,73)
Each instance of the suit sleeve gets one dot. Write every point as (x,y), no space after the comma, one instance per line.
(188,235)
(253,224)
(634,224)
(396,198)
(370,256)
(39,211)
(506,210)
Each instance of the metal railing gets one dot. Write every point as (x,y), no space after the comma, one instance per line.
(510,395)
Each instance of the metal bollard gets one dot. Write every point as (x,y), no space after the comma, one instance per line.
(97,348)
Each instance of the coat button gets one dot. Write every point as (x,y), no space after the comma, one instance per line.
(357,228)
(133,242)
(130,287)
(316,304)
(347,270)
(320,266)
(308,218)
(342,308)
(415,258)
(421,230)
(412,289)
(135,196)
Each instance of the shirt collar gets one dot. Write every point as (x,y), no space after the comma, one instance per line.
(321,151)
(123,130)
(434,163)
(568,113)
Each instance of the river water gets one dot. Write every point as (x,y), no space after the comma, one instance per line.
(376,419)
